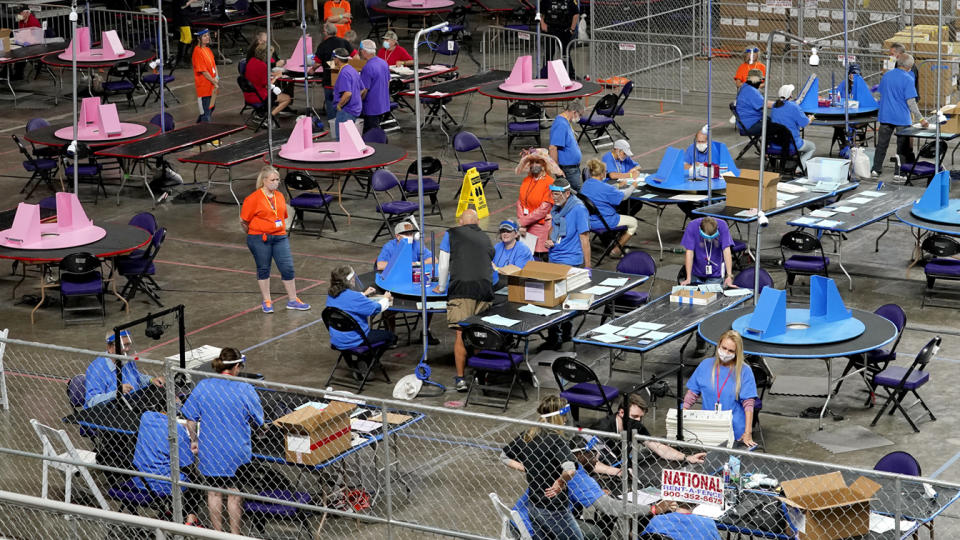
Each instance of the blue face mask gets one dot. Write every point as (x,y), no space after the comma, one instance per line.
(710,236)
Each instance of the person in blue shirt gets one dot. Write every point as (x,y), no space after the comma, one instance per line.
(725,382)
(151,454)
(788,114)
(683,525)
(898,107)
(405,232)
(343,295)
(101,375)
(750,104)
(346,91)
(569,243)
(227,409)
(607,198)
(564,148)
(375,78)
(619,161)
(509,250)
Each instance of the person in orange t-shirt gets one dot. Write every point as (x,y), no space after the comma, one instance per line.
(535,202)
(262,218)
(205,76)
(751,60)
(341,19)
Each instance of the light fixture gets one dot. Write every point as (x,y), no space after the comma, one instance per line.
(814,59)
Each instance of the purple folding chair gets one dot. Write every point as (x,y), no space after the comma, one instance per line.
(638,263)
(877,360)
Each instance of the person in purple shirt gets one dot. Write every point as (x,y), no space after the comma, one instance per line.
(375,78)
(708,257)
(346,91)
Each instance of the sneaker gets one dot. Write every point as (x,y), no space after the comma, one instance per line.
(430,339)
(298,305)
(267,306)
(874,174)
(461,384)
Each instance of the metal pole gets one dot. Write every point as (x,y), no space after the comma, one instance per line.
(536,22)
(269,91)
(303,35)
(173,436)
(73,56)
(161,37)
(846,84)
(416,99)
(709,106)
(936,116)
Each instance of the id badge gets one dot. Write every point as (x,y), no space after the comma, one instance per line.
(708,269)
(718,407)
(526,212)
(278,223)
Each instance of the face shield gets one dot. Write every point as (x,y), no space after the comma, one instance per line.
(564,412)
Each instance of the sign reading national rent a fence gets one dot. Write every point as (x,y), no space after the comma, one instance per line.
(691,487)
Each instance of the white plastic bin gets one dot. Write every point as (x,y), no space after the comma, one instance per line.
(828,169)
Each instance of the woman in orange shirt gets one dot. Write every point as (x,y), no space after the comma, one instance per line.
(342,17)
(535,201)
(262,218)
(751,60)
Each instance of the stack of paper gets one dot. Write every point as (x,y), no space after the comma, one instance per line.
(537,310)
(711,428)
(577,277)
(881,524)
(598,290)
(791,188)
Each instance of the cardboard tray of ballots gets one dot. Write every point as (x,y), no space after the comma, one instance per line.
(314,435)
(742,190)
(824,508)
(542,284)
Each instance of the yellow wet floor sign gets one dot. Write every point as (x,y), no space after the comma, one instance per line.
(472,193)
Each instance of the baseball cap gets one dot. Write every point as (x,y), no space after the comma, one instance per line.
(560,184)
(508,225)
(622,144)
(854,68)
(404,227)
(203,31)
(390,34)
(786,91)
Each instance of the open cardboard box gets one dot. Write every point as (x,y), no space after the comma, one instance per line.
(538,283)
(314,435)
(742,190)
(824,508)
(693,297)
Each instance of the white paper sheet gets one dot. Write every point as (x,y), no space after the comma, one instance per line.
(632,332)
(845,209)
(881,524)
(615,282)
(791,188)
(786,196)
(607,329)
(708,510)
(435,304)
(859,200)
(822,213)
(608,338)
(688,197)
(598,290)
(648,195)
(654,336)
(642,497)
(828,223)
(534,291)
(871,194)
(497,320)
(736,292)
(746,213)
(364,426)
(646,325)
(538,310)
(805,220)
(530,240)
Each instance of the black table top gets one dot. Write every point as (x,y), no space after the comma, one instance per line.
(47,136)
(463,85)
(32,51)
(6,216)
(385,154)
(237,19)
(243,150)
(879,332)
(531,323)
(677,319)
(171,141)
(140,56)
(120,239)
(493,6)
(905,215)
(493,90)
(878,208)
(926,133)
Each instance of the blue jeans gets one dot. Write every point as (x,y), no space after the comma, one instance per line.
(342,116)
(207,111)
(276,248)
(329,106)
(574,175)
(697,280)
(548,524)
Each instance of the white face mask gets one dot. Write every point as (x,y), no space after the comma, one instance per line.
(20,17)
(701,147)
(386,44)
(724,356)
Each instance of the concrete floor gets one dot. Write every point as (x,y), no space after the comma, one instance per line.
(205,265)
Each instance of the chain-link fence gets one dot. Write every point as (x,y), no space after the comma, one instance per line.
(292,461)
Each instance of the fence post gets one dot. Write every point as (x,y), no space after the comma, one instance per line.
(625,467)
(387,467)
(899,509)
(3,373)
(173,436)
(635,466)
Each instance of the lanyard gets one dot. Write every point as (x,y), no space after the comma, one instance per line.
(719,386)
(270,202)
(708,250)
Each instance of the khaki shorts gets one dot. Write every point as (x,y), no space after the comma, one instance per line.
(461,309)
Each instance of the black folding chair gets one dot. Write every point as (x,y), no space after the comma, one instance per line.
(609,237)
(753,141)
(581,387)
(139,270)
(308,198)
(491,354)
(897,382)
(595,125)
(359,361)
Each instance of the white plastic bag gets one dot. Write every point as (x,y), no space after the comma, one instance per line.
(859,163)
(582,28)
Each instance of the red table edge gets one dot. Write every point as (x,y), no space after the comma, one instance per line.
(139,138)
(540,97)
(89,65)
(170,150)
(97,255)
(292,168)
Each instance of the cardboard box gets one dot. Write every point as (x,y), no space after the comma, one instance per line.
(314,435)
(929,72)
(830,509)
(952,125)
(742,190)
(578,301)
(696,298)
(538,283)
(356,62)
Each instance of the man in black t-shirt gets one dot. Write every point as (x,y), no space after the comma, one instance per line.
(628,418)
(323,55)
(559,18)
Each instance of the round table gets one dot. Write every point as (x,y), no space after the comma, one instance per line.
(493,91)
(120,240)
(838,111)
(140,56)
(46,136)
(879,332)
(920,228)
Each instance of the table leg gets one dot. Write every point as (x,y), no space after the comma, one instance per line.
(876,244)
(43,295)
(839,237)
(660,209)
(113,286)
